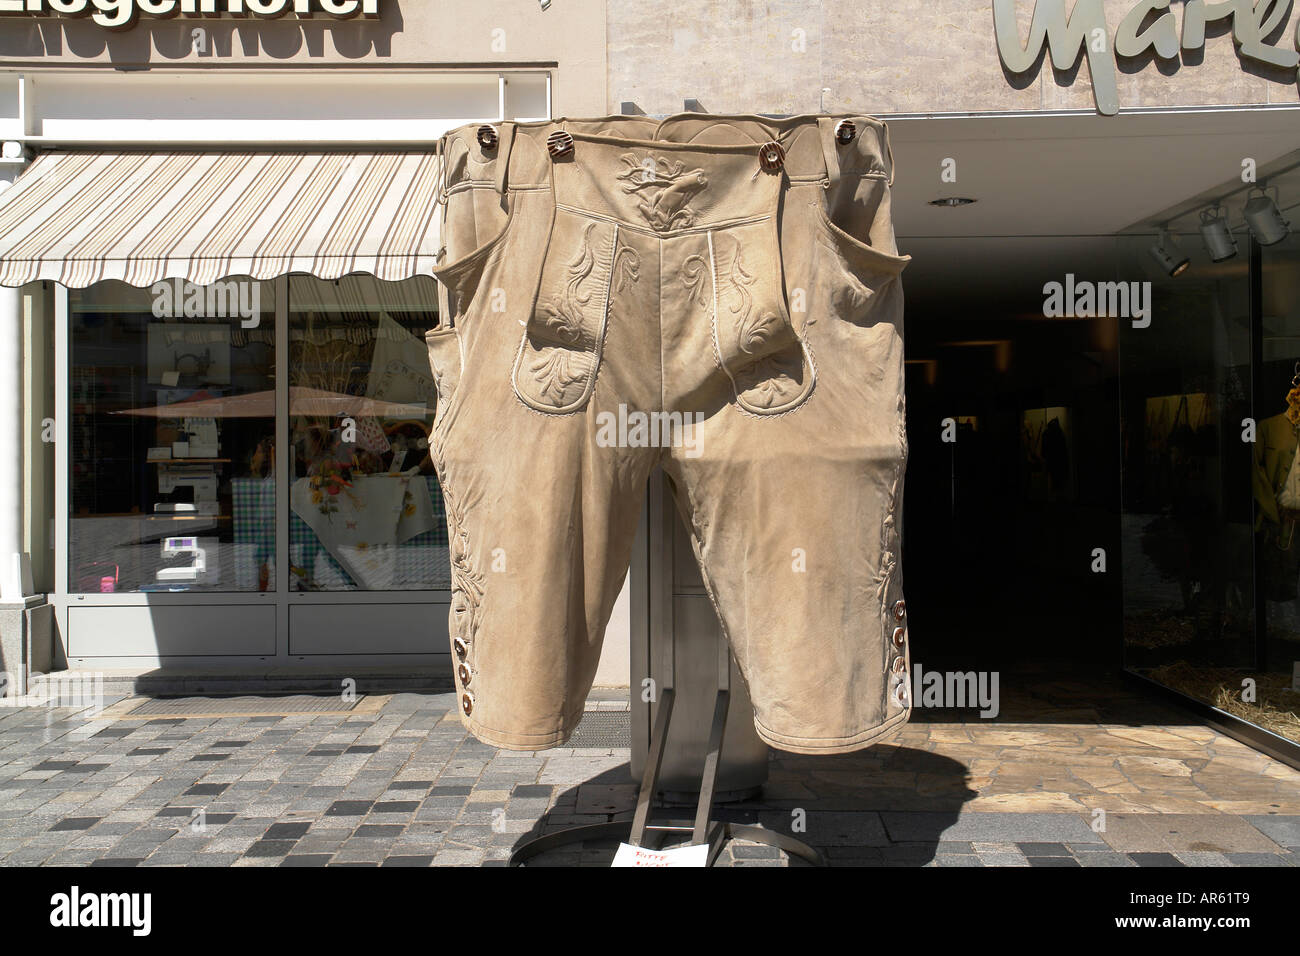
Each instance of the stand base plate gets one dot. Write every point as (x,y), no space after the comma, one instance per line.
(720,833)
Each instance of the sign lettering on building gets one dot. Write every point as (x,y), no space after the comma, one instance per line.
(120,14)
(1085,26)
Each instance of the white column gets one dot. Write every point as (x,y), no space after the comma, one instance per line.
(12,452)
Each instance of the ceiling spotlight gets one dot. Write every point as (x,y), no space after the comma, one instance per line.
(1264,219)
(952,201)
(1216,235)
(1169,256)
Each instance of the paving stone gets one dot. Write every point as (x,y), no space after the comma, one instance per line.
(988,827)
(76,823)
(266,847)
(1103,858)
(1043,849)
(1258,859)
(1283,830)
(286,831)
(378,831)
(395,806)
(1155,859)
(349,808)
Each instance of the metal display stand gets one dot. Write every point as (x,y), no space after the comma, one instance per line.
(703,830)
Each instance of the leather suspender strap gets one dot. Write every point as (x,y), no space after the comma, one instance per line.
(507,136)
(889,151)
(444,301)
(826,126)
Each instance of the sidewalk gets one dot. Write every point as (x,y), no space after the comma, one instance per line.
(397,781)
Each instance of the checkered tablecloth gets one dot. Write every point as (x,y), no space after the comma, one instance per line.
(253,500)
(423,562)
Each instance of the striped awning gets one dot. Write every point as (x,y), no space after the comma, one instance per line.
(82,217)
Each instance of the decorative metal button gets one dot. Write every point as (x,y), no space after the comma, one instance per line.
(900,636)
(771,156)
(467,704)
(465,674)
(900,695)
(845,130)
(559,144)
(461,648)
(900,609)
(898,667)
(487,137)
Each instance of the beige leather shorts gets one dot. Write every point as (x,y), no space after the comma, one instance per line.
(716,295)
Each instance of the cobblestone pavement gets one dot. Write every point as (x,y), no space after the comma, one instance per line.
(400,783)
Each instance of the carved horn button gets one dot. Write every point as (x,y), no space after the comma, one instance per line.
(466,674)
(845,131)
(467,704)
(559,144)
(487,137)
(771,157)
(461,648)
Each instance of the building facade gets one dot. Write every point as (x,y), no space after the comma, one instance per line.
(216,388)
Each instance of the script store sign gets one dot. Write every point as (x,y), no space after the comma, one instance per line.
(1149,25)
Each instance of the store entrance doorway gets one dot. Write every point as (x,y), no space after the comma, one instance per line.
(1012,489)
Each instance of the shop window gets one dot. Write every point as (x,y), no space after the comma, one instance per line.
(1211,557)
(172,436)
(366,512)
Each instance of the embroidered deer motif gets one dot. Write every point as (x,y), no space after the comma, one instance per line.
(664,189)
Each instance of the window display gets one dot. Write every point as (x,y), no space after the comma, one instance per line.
(365,508)
(1212,491)
(172,442)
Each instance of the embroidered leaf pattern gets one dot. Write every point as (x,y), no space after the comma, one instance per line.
(753,330)
(627,267)
(467,580)
(564,315)
(695,273)
(556,375)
